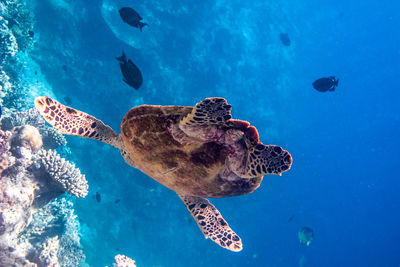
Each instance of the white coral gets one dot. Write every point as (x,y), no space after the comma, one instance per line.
(64,172)
(123,261)
(48,253)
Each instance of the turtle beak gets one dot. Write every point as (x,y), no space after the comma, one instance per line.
(39,102)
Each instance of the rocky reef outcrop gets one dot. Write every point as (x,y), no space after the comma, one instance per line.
(36,227)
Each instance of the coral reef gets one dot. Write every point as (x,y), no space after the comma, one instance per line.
(8,42)
(52,139)
(69,178)
(19,21)
(16,37)
(56,219)
(5,155)
(123,261)
(34,230)
(47,253)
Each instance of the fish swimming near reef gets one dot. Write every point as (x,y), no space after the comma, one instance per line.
(285,39)
(131,17)
(132,75)
(326,84)
(306,235)
(98,197)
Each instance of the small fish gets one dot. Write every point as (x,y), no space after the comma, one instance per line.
(117,201)
(326,84)
(131,17)
(285,39)
(0,111)
(132,75)
(306,235)
(291,218)
(98,197)
(31,33)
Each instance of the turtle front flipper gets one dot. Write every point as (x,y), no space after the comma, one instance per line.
(211,223)
(210,111)
(74,122)
(266,159)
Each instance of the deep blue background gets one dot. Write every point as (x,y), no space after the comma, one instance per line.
(343,182)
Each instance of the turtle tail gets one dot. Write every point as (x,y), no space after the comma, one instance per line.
(74,122)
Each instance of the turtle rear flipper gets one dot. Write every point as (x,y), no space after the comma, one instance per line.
(211,223)
(267,159)
(210,111)
(74,122)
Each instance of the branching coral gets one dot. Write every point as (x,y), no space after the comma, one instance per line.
(56,219)
(66,174)
(123,261)
(47,253)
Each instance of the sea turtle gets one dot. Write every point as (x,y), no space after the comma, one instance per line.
(197,152)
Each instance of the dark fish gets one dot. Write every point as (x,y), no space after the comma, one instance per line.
(132,75)
(326,84)
(117,201)
(35,72)
(285,39)
(65,68)
(131,17)
(31,33)
(98,197)
(291,218)
(67,100)
(0,111)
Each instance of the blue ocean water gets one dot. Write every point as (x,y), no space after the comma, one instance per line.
(343,183)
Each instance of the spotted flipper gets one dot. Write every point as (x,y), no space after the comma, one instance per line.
(211,223)
(74,122)
(210,111)
(263,160)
